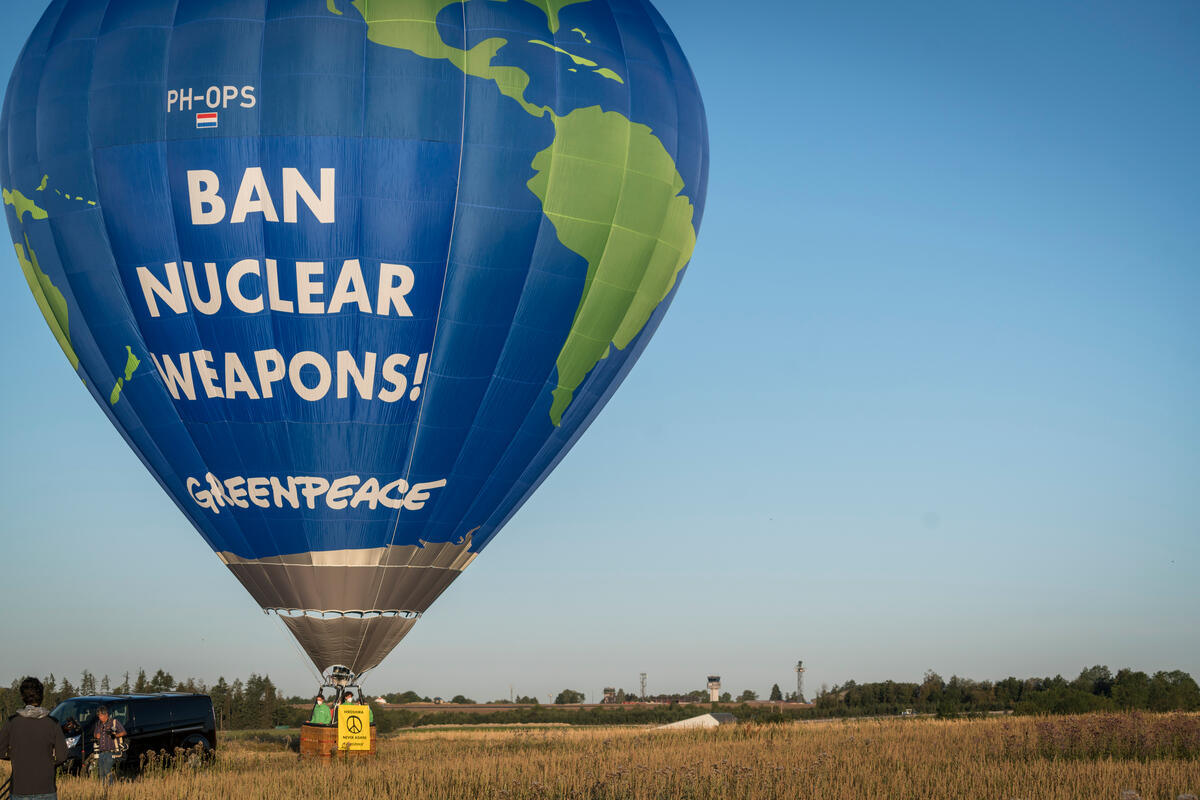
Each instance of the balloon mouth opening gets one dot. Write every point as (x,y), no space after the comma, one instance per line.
(340,676)
(330,614)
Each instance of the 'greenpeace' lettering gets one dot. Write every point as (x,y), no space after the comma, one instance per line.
(292,490)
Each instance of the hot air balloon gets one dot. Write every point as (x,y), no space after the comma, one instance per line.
(352,277)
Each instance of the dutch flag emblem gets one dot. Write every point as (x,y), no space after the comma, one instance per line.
(207,119)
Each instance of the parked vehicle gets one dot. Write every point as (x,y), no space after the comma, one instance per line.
(158,722)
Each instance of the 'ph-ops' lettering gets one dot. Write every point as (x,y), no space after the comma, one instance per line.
(212,97)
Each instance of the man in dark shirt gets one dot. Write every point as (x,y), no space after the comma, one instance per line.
(105,733)
(33,741)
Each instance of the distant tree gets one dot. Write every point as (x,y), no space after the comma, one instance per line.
(161,682)
(1008,692)
(620,698)
(931,689)
(459,699)
(398,698)
(194,686)
(747,696)
(221,702)
(237,710)
(1094,680)
(953,692)
(124,688)
(10,700)
(532,701)
(1174,691)
(568,696)
(65,691)
(87,683)
(726,697)
(252,702)
(104,686)
(258,703)
(1131,689)
(141,685)
(828,697)
(775,693)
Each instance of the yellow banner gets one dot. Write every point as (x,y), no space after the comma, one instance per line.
(354,727)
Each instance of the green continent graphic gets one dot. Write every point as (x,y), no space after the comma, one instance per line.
(412,25)
(132,362)
(552,8)
(613,194)
(577,59)
(49,299)
(23,205)
(607,184)
(603,72)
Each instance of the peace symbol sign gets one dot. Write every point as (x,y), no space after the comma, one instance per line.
(354,723)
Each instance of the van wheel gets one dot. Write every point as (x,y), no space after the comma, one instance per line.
(199,751)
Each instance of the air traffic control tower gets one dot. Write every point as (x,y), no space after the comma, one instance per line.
(714,688)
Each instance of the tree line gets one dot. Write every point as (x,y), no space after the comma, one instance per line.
(1096,688)
(256,703)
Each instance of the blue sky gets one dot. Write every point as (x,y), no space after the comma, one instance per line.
(927,397)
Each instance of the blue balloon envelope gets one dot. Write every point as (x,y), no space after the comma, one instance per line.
(351,278)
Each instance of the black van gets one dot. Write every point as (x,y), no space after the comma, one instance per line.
(159,722)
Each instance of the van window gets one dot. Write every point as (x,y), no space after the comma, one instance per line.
(81,712)
(152,713)
(119,710)
(192,709)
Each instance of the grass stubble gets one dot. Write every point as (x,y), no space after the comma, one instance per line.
(1117,756)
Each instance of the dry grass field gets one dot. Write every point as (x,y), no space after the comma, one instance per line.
(1113,757)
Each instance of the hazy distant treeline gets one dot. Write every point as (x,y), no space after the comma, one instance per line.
(1096,689)
(255,703)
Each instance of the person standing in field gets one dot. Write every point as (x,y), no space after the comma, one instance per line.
(33,741)
(105,733)
(320,714)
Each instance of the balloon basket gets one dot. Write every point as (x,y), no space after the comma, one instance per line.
(320,742)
